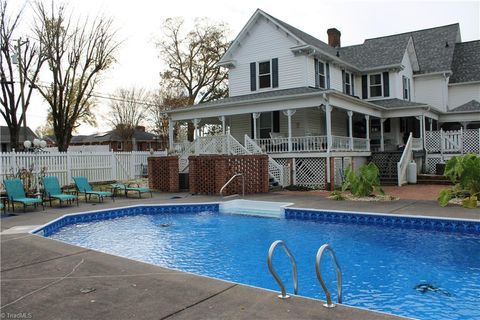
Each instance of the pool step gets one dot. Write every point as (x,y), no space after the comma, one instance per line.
(269,209)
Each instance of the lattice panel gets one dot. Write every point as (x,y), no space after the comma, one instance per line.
(432,141)
(471,141)
(338,171)
(432,163)
(284,162)
(310,172)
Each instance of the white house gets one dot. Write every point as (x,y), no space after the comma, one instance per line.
(315,108)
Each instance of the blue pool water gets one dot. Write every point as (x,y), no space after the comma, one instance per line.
(381,265)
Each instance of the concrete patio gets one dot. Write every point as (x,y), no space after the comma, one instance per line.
(46,279)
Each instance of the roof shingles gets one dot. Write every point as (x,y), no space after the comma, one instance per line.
(466,62)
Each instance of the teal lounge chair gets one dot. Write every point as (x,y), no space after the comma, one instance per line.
(16,193)
(82,185)
(53,191)
(130,187)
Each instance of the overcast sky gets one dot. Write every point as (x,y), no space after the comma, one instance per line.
(139,23)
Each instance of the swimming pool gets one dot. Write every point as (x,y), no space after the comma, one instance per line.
(422,268)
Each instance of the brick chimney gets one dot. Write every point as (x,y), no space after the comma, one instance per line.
(334,37)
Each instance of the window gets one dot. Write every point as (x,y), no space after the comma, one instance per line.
(321,75)
(266,124)
(264,75)
(119,145)
(406,88)
(348,83)
(375,85)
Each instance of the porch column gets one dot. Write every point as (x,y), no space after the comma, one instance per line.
(196,135)
(422,126)
(465,124)
(430,122)
(382,143)
(171,126)
(289,114)
(328,118)
(222,118)
(350,128)
(255,116)
(367,135)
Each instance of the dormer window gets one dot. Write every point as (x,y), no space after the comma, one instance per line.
(375,85)
(264,75)
(406,88)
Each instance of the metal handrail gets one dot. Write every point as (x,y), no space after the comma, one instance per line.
(329,303)
(274,245)
(231,179)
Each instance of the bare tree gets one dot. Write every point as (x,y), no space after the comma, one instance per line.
(192,60)
(15,95)
(77,54)
(162,101)
(127,111)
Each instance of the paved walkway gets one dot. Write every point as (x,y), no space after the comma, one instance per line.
(46,279)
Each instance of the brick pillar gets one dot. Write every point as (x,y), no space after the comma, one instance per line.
(163,173)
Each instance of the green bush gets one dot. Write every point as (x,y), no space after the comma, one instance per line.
(464,172)
(365,182)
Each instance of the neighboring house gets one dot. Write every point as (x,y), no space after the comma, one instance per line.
(319,107)
(5,145)
(141,141)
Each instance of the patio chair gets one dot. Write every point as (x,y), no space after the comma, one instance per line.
(16,193)
(129,187)
(53,191)
(83,186)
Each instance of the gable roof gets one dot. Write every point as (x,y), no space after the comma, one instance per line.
(434,47)
(431,49)
(396,103)
(472,105)
(466,62)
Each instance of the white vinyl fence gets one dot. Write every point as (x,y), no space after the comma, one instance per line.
(96,166)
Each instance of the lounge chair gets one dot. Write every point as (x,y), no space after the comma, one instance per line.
(16,193)
(53,191)
(83,186)
(130,187)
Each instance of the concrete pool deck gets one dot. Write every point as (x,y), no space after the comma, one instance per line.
(46,279)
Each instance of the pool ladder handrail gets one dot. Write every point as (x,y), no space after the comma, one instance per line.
(274,245)
(318,258)
(230,180)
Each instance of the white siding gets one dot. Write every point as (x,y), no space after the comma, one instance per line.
(265,42)
(431,90)
(240,125)
(339,122)
(336,78)
(460,94)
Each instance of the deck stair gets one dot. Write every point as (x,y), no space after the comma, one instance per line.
(387,164)
(433,179)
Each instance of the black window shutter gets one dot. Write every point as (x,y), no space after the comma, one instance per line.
(364,87)
(386,84)
(315,61)
(276,121)
(251,126)
(275,73)
(253,76)
(343,81)
(328,75)
(352,80)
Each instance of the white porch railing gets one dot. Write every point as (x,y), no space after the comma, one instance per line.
(274,168)
(311,144)
(406,158)
(96,166)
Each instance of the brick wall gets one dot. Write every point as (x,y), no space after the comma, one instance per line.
(163,173)
(208,173)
